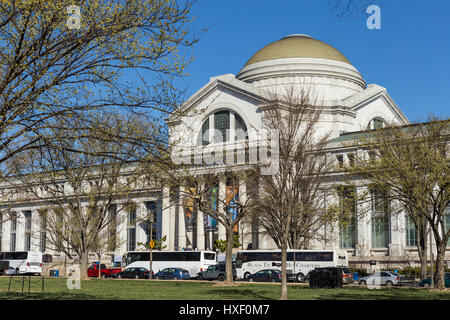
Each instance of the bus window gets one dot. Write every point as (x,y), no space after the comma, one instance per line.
(19,255)
(194,256)
(262,256)
(327,256)
(209,256)
(276,256)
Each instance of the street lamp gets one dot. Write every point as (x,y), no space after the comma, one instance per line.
(151,243)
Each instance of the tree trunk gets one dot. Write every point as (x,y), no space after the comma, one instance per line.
(229,255)
(423,265)
(284,293)
(99,265)
(422,251)
(84,265)
(440,265)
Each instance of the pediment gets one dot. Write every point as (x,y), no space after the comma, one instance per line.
(217,85)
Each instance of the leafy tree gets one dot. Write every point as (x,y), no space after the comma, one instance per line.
(85,59)
(410,165)
(84,192)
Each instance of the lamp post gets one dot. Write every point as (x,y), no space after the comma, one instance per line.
(151,243)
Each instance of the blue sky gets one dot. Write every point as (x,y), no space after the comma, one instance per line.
(409,55)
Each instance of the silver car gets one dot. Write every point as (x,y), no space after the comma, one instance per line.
(381,278)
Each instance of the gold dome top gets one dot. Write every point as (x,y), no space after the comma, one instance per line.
(297,46)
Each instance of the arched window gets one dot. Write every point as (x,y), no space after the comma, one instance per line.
(376,123)
(222,124)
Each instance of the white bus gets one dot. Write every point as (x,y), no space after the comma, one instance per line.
(299,262)
(193,261)
(21,262)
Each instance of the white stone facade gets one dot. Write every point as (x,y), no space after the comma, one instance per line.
(349,105)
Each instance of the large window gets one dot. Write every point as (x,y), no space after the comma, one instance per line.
(380,232)
(411,232)
(112,227)
(131,230)
(223,124)
(151,210)
(12,242)
(205,132)
(380,219)
(27,244)
(347,202)
(241,128)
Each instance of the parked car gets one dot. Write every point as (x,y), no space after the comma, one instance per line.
(10,271)
(382,278)
(173,273)
(427,282)
(347,275)
(104,272)
(266,275)
(134,273)
(215,272)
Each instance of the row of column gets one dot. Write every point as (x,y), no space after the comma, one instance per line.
(174,227)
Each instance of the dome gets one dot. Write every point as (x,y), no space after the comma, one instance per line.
(297,46)
(304,62)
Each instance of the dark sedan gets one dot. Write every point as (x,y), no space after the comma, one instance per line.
(134,273)
(267,275)
(427,282)
(173,274)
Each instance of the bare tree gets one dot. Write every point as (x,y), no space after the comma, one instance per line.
(85,191)
(290,205)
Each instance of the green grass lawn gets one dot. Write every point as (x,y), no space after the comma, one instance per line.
(56,288)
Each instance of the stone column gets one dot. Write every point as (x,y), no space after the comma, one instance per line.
(5,228)
(166,223)
(172,209)
(122,219)
(232,127)
(181,223)
(141,211)
(245,229)
(222,194)
(363,226)
(200,231)
(395,244)
(20,231)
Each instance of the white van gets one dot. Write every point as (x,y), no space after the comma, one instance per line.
(23,262)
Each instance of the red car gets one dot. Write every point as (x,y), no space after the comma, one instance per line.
(104,272)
